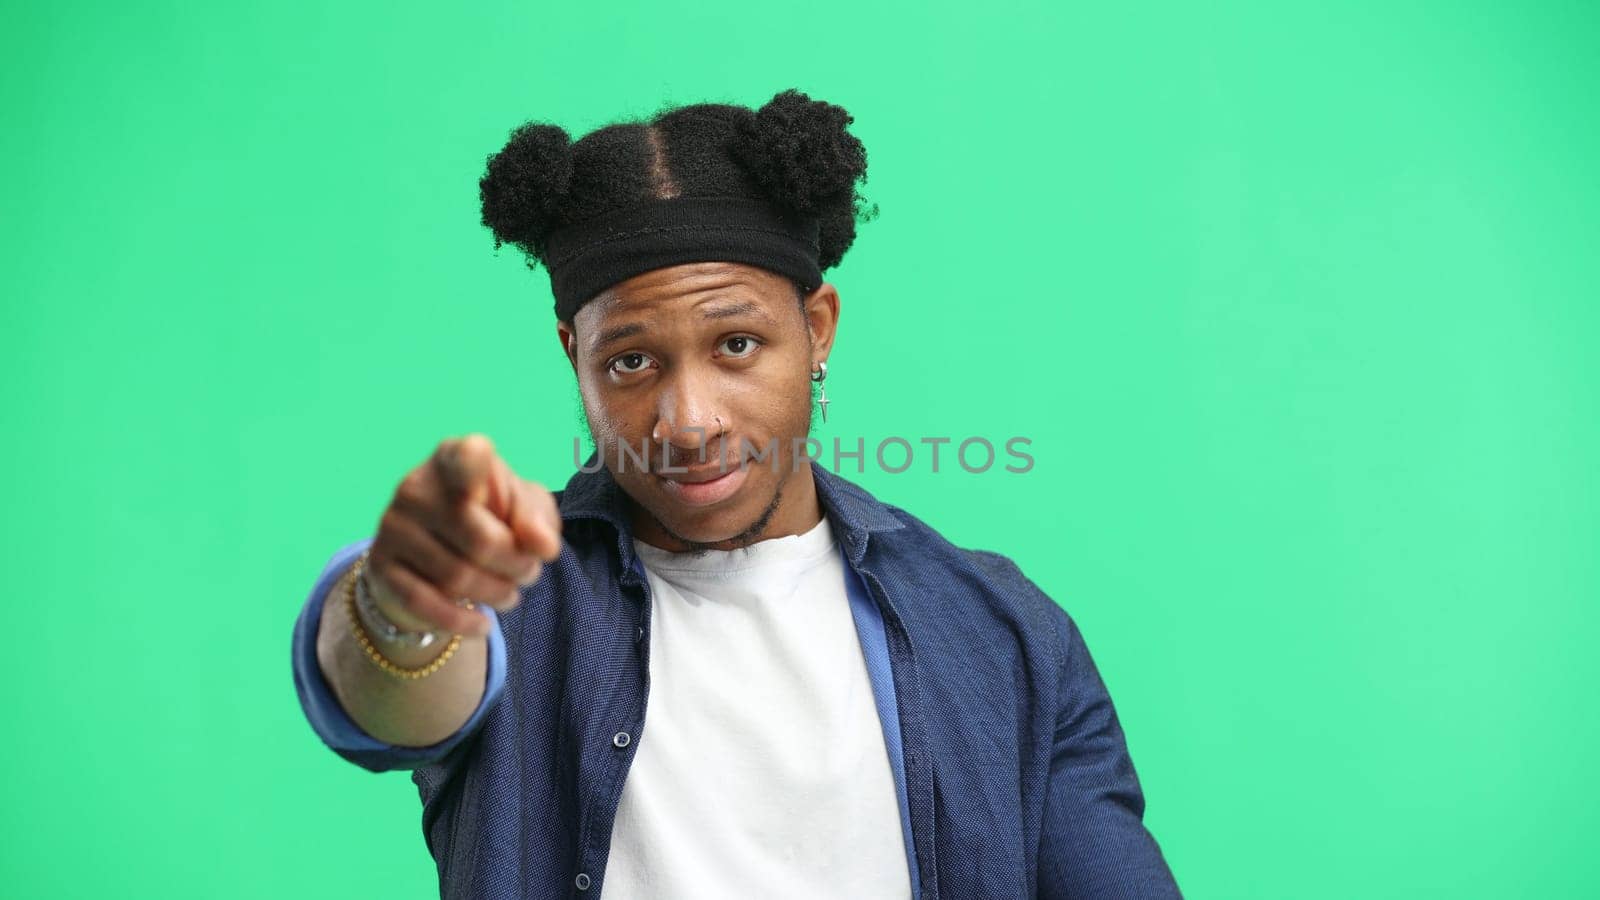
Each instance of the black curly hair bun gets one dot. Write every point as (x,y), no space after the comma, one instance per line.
(524,186)
(802,155)
(793,153)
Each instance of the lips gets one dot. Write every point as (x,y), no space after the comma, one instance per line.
(705,485)
(698,476)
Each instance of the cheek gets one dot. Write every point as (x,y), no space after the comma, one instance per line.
(604,422)
(779,410)
(611,421)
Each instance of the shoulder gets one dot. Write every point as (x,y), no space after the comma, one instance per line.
(966,586)
(991,643)
(918,538)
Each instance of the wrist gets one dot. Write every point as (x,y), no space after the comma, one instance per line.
(408,661)
(383,630)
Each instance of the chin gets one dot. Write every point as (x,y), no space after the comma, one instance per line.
(712,524)
(707,526)
(705,529)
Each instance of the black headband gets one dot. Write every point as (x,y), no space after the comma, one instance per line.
(586,258)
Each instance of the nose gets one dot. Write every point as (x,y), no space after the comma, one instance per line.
(689,422)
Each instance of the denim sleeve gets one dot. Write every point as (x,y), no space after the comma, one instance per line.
(329,720)
(1094,843)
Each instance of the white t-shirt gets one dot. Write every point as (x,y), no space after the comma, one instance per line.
(761,770)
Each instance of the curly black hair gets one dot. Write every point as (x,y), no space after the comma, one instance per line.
(794,152)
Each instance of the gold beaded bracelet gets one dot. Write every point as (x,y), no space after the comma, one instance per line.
(371,649)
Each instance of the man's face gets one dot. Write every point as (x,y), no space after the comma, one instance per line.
(698,367)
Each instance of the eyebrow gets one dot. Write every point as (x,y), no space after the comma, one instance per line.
(721,311)
(736,309)
(616,333)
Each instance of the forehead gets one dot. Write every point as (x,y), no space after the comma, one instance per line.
(675,289)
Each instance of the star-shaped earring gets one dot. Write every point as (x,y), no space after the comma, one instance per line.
(817,375)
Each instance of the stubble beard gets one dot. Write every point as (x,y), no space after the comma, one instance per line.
(746,536)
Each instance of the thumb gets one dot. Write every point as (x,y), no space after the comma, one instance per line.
(534,519)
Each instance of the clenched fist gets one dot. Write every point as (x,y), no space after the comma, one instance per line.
(461,526)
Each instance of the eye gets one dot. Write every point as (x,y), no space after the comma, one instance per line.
(629,363)
(740,346)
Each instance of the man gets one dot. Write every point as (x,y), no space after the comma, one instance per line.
(841,703)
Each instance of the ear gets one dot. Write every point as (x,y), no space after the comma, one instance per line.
(569,343)
(822,319)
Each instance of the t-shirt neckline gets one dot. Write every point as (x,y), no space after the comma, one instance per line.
(772,553)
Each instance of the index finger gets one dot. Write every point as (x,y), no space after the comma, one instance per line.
(465,466)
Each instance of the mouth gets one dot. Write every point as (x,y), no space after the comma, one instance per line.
(703,486)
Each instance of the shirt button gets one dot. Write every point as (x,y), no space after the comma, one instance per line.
(582,881)
(638,633)
(621,739)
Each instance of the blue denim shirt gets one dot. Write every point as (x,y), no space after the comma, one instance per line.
(1013,774)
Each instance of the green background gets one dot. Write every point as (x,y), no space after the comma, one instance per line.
(1296,303)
